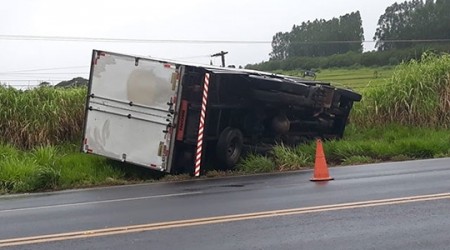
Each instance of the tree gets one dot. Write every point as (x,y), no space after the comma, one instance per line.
(412,20)
(44,84)
(320,38)
(75,82)
(350,29)
(280,45)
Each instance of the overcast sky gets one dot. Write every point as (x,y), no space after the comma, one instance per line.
(225,20)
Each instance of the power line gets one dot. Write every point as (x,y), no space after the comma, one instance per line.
(413,41)
(198,41)
(29,80)
(44,73)
(191,57)
(43,69)
(21,85)
(122,40)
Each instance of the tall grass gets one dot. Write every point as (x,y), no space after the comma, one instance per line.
(41,116)
(50,168)
(256,164)
(360,146)
(418,93)
(287,158)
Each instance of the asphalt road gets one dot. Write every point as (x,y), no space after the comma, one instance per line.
(380,206)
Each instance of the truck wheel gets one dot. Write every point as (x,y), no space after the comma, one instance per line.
(229,147)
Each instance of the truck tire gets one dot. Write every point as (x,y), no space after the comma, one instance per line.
(229,147)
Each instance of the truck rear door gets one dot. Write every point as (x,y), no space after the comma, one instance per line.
(130,109)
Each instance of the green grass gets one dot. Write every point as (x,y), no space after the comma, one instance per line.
(54,168)
(359,79)
(359,146)
(256,164)
(286,158)
(357,160)
(391,141)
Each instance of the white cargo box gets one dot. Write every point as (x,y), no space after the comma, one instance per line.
(130,109)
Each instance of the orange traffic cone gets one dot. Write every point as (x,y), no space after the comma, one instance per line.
(320,165)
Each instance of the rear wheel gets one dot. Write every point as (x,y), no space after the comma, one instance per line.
(229,147)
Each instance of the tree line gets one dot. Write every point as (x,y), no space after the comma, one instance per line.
(413,20)
(317,38)
(427,21)
(349,59)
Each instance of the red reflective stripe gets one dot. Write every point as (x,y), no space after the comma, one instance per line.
(99,54)
(182,120)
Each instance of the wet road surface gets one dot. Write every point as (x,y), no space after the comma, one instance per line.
(403,205)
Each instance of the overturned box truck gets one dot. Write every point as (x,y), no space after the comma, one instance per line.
(175,117)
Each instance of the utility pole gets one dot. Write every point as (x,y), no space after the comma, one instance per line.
(221,54)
